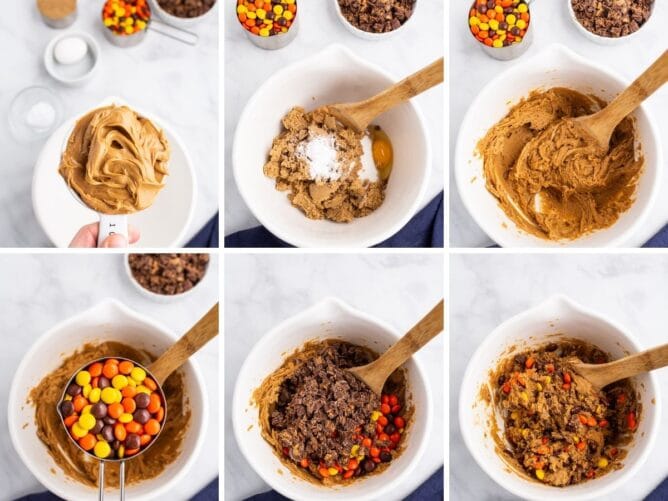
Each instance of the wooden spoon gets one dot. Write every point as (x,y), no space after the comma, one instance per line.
(601,375)
(199,334)
(359,115)
(602,124)
(376,373)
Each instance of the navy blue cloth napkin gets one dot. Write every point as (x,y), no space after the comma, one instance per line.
(430,490)
(660,493)
(207,236)
(209,493)
(424,230)
(659,240)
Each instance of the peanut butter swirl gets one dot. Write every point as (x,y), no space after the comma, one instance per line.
(115,160)
(549,177)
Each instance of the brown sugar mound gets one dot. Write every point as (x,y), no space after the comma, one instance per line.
(333,190)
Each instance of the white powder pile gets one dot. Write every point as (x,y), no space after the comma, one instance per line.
(369,171)
(320,153)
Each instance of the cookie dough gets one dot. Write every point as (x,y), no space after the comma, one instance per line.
(318,160)
(115,160)
(549,177)
(78,465)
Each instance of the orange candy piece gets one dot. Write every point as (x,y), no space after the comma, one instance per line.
(154,403)
(87,442)
(115,410)
(129,405)
(152,427)
(125,367)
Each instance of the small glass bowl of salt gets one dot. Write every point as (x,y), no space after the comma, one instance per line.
(34,113)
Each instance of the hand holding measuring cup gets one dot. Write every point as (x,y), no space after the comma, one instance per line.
(115,163)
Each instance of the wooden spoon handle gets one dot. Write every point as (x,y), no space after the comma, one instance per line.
(633,365)
(199,334)
(643,87)
(420,334)
(409,87)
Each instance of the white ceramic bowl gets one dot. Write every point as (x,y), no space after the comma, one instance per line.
(180,22)
(109,320)
(366,35)
(605,40)
(554,66)
(162,298)
(163,225)
(561,316)
(330,318)
(78,73)
(334,75)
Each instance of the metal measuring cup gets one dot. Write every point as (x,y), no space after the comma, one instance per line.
(130,40)
(103,461)
(511,51)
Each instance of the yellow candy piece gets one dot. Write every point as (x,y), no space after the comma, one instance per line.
(138,374)
(125,418)
(68,397)
(109,395)
(102,449)
(521,24)
(78,431)
(94,395)
(523,8)
(540,474)
(86,410)
(261,13)
(511,19)
(278,10)
(494,24)
(497,44)
(83,378)
(87,421)
(86,390)
(484,26)
(121,451)
(474,21)
(333,471)
(264,32)
(242,9)
(143,389)
(602,463)
(119,381)
(288,15)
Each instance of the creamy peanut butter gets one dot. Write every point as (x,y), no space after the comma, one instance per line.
(549,177)
(115,160)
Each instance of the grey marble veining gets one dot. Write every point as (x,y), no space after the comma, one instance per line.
(247,67)
(177,82)
(486,290)
(262,290)
(39,291)
(471,69)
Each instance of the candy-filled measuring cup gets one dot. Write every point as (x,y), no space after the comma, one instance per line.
(145,381)
(103,428)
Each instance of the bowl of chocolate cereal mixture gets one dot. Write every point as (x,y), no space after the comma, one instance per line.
(166,277)
(609,22)
(375,20)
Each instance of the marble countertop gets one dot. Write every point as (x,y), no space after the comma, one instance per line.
(175,81)
(471,68)
(283,285)
(488,289)
(49,288)
(246,67)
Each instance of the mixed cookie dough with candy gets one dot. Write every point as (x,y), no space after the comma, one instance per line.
(330,171)
(266,18)
(326,425)
(113,409)
(499,23)
(560,430)
(549,177)
(68,456)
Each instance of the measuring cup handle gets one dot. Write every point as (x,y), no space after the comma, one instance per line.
(111,224)
(122,480)
(100,482)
